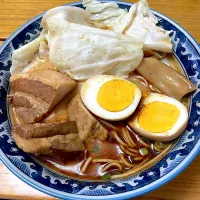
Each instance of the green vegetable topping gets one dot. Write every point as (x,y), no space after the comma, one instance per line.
(106,176)
(159,146)
(144,151)
(95,149)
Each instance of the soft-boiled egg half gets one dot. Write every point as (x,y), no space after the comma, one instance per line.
(160,118)
(110,97)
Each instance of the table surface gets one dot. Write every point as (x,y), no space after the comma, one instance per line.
(186,12)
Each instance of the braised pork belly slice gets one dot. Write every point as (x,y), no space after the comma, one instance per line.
(36,93)
(87,124)
(44,138)
(28,108)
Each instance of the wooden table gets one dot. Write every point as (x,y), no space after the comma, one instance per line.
(186,12)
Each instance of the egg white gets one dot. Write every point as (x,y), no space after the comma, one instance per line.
(171,134)
(89,92)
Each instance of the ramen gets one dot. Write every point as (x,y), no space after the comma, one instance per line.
(92,98)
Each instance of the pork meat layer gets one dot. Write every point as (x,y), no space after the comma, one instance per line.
(44,138)
(36,93)
(87,124)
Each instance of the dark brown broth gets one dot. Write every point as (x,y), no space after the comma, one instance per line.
(96,149)
(109,150)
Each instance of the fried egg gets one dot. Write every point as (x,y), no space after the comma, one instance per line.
(160,118)
(110,97)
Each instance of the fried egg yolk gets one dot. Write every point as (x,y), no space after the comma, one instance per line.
(116,95)
(158,117)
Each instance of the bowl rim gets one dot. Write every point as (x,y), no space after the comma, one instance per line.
(127,195)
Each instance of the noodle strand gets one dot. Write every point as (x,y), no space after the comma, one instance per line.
(144,143)
(130,139)
(144,161)
(127,152)
(138,158)
(124,161)
(86,164)
(143,165)
(124,133)
(118,139)
(133,150)
(106,167)
(101,160)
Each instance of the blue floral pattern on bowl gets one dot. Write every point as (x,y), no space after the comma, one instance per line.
(28,169)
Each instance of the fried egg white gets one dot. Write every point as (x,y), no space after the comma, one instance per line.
(160,118)
(110,97)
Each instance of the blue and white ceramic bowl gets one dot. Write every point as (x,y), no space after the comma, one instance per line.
(33,173)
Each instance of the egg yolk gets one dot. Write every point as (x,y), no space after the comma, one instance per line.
(158,117)
(116,95)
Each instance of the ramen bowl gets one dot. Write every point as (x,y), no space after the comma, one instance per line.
(30,170)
